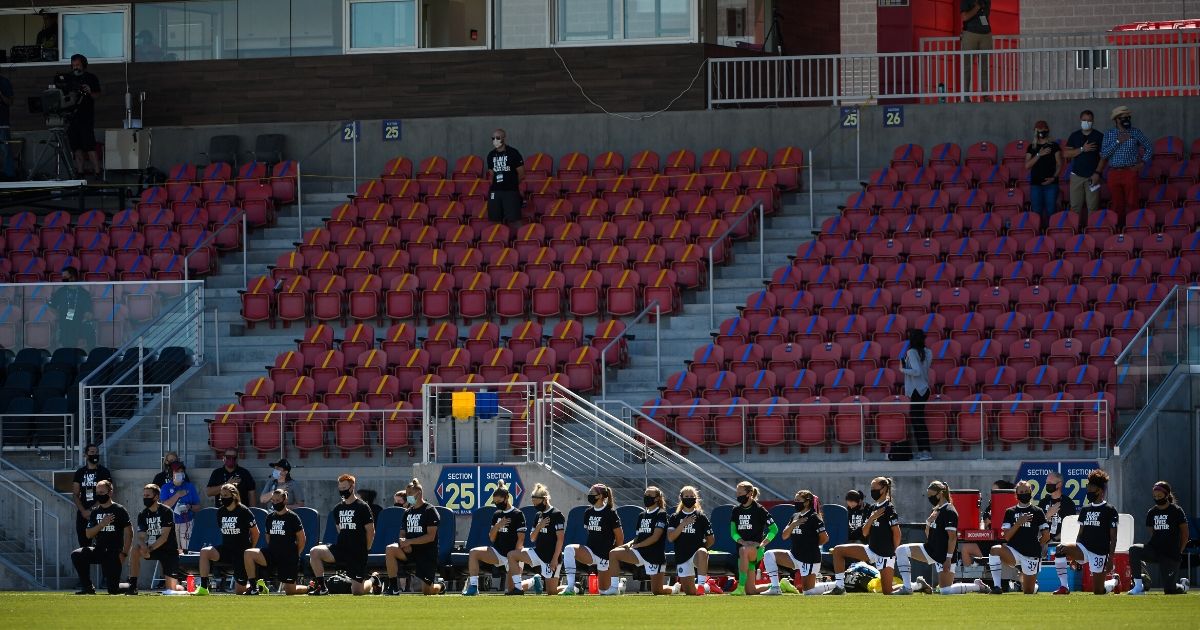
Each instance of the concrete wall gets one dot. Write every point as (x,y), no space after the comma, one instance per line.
(1055,16)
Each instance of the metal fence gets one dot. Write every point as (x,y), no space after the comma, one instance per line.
(1110,69)
(32,528)
(1169,339)
(51,437)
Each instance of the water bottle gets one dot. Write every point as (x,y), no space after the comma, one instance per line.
(191,583)
(941,88)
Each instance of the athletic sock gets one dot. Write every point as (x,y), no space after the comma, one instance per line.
(569,566)
(840,579)
(904,565)
(741,580)
(960,588)
(395,584)
(1060,566)
(772,567)
(996,567)
(1137,583)
(321,582)
(1110,585)
(820,588)
(474,580)
(701,579)
(516,580)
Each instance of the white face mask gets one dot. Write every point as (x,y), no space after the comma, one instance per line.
(275,474)
(497,143)
(178,478)
(1085,125)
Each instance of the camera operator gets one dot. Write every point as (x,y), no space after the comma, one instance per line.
(6,101)
(81,130)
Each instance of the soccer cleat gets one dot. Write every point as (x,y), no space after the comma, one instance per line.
(837,590)
(251,592)
(514,591)
(773,590)
(701,590)
(903,590)
(1136,590)
(261,584)
(621,587)
(538,585)
(86,591)
(1185,584)
(1062,590)
(996,590)
(201,591)
(471,590)
(1116,589)
(923,586)
(982,587)
(787,587)
(317,591)
(714,588)
(132,590)
(568,591)
(740,590)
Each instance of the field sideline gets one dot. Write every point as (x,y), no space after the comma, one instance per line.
(63,610)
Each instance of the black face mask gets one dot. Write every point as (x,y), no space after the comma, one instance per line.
(688,502)
(800,506)
(1162,501)
(1043,134)
(875,494)
(93,459)
(592,498)
(1126,122)
(279,507)
(147,501)
(1051,488)
(500,505)
(102,498)
(345,494)
(1093,496)
(226,501)
(1024,498)
(541,507)
(933,500)
(649,501)
(742,499)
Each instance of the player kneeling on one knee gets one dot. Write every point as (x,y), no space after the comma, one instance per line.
(1168,527)
(417,543)
(239,532)
(506,534)
(648,548)
(546,536)
(882,529)
(691,532)
(281,556)
(603,528)
(806,531)
(1097,539)
(355,532)
(155,541)
(1026,532)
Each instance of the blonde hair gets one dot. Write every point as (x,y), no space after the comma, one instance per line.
(660,501)
(540,488)
(942,489)
(886,482)
(679,506)
(753,491)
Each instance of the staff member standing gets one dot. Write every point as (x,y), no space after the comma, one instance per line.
(505,167)
(281,479)
(1124,150)
(83,488)
(1055,505)
(155,541)
(1043,160)
(109,534)
(232,473)
(916,366)
(976,35)
(1083,149)
(81,131)
(355,533)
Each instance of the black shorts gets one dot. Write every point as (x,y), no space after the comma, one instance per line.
(352,561)
(82,136)
(168,558)
(424,563)
(234,557)
(282,566)
(504,206)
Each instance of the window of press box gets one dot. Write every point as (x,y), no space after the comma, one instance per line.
(382,24)
(231,29)
(597,20)
(53,35)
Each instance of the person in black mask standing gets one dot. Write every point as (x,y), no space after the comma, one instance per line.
(507,534)
(84,490)
(1055,505)
(232,473)
(505,167)
(73,305)
(109,534)
(355,533)
(81,131)
(155,541)
(281,557)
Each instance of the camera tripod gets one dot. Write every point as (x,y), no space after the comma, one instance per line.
(56,150)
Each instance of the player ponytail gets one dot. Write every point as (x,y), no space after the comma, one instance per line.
(1098,478)
(750,489)
(414,486)
(942,489)
(660,502)
(679,506)
(1165,488)
(539,489)
(606,493)
(886,486)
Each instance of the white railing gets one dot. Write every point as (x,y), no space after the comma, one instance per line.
(42,434)
(34,532)
(1115,70)
(653,308)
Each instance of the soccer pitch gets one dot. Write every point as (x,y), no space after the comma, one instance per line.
(63,610)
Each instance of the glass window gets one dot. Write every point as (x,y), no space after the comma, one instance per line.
(178,31)
(94,35)
(581,20)
(264,28)
(384,24)
(454,24)
(658,18)
(316,27)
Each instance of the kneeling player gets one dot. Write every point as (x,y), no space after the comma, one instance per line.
(285,543)
(1097,540)
(417,544)
(546,536)
(648,549)
(239,532)
(604,532)
(1168,527)
(155,541)
(882,529)
(355,531)
(941,538)
(692,534)
(506,534)
(807,532)
(1026,532)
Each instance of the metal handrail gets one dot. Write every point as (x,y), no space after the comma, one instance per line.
(211,237)
(634,411)
(762,254)
(37,510)
(657,345)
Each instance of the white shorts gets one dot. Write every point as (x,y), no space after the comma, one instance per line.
(938,565)
(651,569)
(494,557)
(601,563)
(1027,565)
(805,568)
(1095,562)
(543,567)
(687,568)
(879,561)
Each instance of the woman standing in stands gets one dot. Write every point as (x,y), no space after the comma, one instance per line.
(807,532)
(692,534)
(1096,542)
(648,549)
(752,529)
(418,543)
(603,528)
(882,530)
(1043,160)
(916,366)
(1026,533)
(1168,527)
(546,537)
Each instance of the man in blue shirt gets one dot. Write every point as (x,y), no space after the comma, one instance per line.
(1124,150)
(1083,149)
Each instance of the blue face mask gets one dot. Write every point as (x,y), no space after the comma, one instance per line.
(411,500)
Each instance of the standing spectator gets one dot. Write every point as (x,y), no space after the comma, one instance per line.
(180,495)
(917,363)
(1123,151)
(47,38)
(281,479)
(505,167)
(857,512)
(976,35)
(81,129)
(369,497)
(73,305)
(230,472)
(83,488)
(168,463)
(1083,149)
(400,499)
(109,534)
(1043,160)
(1055,505)
(6,101)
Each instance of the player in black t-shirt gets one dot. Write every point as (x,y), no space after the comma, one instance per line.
(648,548)
(506,534)
(281,556)
(1026,533)
(355,533)
(155,541)
(938,550)
(505,168)
(882,529)
(417,543)
(857,512)
(109,535)
(692,534)
(806,531)
(752,529)
(604,532)
(1096,542)
(1056,505)
(83,490)
(239,532)
(1168,527)
(546,535)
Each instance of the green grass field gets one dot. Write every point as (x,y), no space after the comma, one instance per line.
(859,611)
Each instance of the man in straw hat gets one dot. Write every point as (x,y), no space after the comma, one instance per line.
(1124,150)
